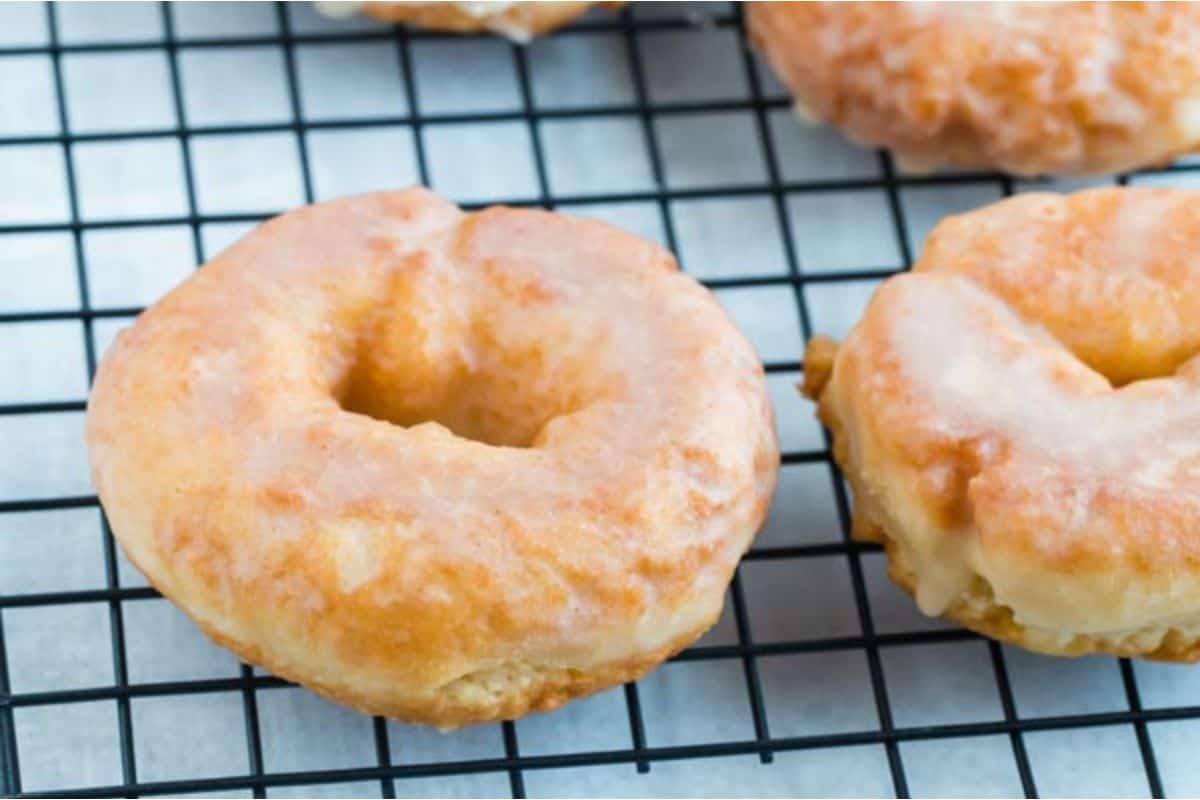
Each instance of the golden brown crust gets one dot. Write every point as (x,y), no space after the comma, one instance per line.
(1015,489)
(1025,87)
(405,455)
(518,20)
(818,365)
(551,689)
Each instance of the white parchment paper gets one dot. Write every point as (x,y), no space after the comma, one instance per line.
(840,218)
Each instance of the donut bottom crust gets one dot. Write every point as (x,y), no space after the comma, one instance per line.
(505,692)
(977,609)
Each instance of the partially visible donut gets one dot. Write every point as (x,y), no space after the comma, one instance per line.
(519,21)
(1024,87)
(1020,421)
(441,466)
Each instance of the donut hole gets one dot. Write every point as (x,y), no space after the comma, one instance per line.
(1124,360)
(490,405)
(495,383)
(489,351)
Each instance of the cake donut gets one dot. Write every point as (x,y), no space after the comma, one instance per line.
(519,21)
(446,467)
(1024,87)
(1019,419)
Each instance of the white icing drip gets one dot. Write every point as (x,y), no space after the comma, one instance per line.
(481,9)
(490,10)
(805,113)
(1187,117)
(337,9)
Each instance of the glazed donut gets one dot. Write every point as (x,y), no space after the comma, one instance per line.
(519,21)
(1019,419)
(440,466)
(1024,87)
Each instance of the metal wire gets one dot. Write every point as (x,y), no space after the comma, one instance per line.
(639,754)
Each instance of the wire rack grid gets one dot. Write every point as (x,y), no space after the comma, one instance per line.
(819,679)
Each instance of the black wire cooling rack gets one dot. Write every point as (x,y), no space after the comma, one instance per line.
(628,25)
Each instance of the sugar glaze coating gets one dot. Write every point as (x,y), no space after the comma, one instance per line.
(440,466)
(1029,88)
(1020,421)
